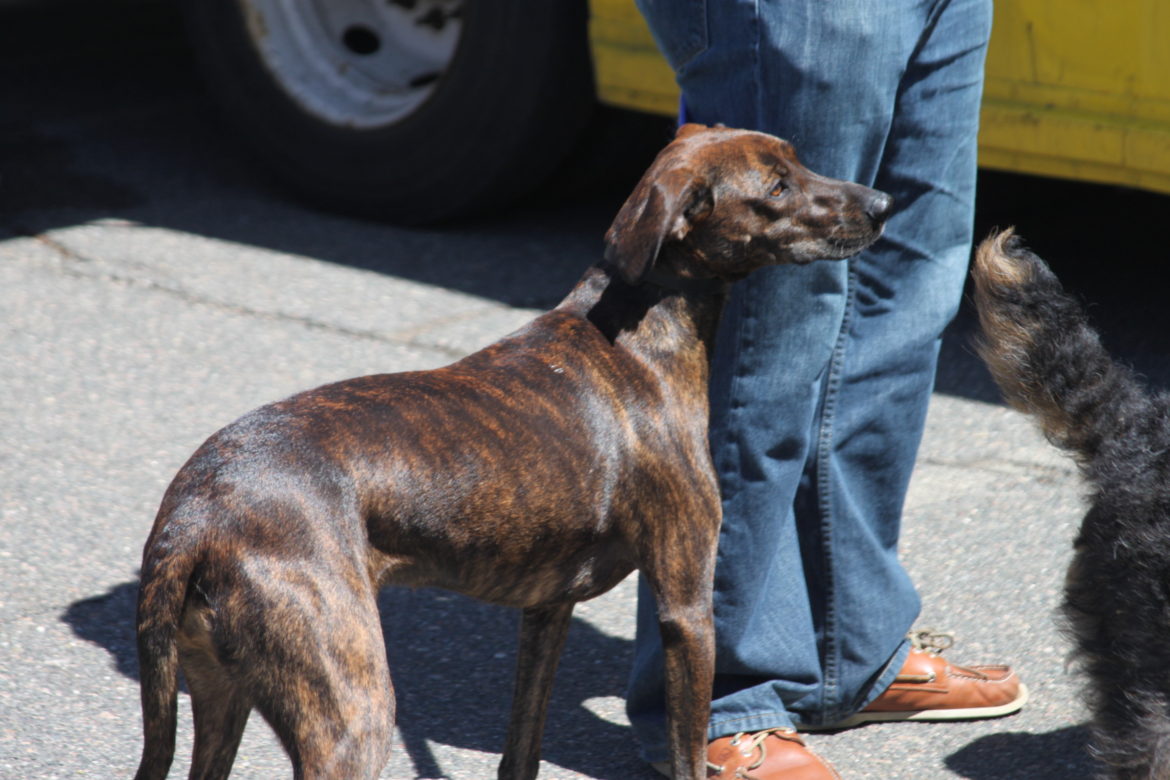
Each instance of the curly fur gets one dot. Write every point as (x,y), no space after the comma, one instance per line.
(1050,363)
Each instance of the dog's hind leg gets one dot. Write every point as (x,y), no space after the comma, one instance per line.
(219,704)
(220,711)
(542,636)
(308,650)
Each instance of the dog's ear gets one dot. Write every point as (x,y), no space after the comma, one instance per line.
(664,206)
(690,128)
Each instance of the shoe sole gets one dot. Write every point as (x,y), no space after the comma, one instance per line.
(969,713)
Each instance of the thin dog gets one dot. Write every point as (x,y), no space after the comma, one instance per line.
(1050,363)
(535,473)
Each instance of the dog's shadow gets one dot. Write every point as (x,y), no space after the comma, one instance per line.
(1053,755)
(452,663)
(451,659)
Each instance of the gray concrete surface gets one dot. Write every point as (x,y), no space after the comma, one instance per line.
(153,287)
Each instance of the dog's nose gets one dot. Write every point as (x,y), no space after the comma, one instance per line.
(879,207)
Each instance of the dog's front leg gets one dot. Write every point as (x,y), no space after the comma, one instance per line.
(688,645)
(679,568)
(542,635)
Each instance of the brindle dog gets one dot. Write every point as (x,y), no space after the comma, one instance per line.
(535,473)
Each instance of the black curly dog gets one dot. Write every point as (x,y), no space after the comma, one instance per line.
(1049,362)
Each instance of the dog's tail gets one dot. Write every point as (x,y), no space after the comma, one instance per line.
(1050,363)
(162,592)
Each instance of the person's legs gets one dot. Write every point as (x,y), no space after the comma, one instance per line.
(823,372)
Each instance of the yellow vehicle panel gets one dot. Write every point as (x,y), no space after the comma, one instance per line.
(1076,89)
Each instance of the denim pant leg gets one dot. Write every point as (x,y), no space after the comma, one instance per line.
(823,373)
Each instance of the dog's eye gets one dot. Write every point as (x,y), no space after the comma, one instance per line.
(778,189)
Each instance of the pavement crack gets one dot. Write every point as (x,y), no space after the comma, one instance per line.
(80,266)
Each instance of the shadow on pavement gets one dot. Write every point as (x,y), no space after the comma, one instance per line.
(1053,755)
(451,660)
(108,621)
(108,119)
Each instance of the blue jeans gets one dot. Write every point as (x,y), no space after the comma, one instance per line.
(823,373)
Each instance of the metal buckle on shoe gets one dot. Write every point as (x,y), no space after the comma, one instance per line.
(755,744)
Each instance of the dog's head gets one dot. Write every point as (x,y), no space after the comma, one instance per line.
(723,202)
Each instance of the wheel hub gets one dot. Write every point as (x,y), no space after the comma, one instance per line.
(361,64)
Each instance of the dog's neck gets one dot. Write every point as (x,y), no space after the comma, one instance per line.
(663,318)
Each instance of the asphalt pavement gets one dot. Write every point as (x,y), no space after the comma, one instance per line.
(154,285)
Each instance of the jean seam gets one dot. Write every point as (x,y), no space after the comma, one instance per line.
(830,654)
(758,86)
(745,343)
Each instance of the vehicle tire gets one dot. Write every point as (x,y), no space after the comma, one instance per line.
(410,111)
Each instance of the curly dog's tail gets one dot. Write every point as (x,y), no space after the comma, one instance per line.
(1050,363)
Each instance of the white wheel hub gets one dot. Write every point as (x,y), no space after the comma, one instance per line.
(356,63)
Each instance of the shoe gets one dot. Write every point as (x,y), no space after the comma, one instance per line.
(773,754)
(929,688)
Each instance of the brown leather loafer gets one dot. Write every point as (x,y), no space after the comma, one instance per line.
(929,688)
(775,754)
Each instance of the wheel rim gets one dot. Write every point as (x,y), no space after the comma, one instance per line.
(356,63)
